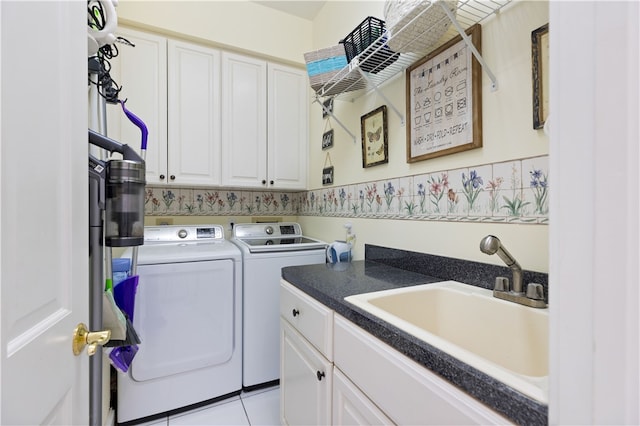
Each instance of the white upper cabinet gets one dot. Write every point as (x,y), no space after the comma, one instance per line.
(287,127)
(194,114)
(214,118)
(141,71)
(244,118)
(174,87)
(264,122)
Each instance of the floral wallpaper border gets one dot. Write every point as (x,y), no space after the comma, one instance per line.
(163,201)
(511,192)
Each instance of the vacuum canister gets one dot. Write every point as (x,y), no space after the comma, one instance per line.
(124,213)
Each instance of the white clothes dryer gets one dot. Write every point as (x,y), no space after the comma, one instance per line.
(188,315)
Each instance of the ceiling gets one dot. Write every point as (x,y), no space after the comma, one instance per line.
(307,9)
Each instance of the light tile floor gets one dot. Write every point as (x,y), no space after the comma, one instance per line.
(261,407)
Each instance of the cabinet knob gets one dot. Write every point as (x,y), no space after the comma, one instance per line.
(172,177)
(295,312)
(319,375)
(270,182)
(161,177)
(264,181)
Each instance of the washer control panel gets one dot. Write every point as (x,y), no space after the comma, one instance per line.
(183,233)
(264,230)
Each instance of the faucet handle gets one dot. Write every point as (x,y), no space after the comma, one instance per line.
(502,284)
(535,291)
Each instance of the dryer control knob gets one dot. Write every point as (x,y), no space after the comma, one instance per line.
(183,233)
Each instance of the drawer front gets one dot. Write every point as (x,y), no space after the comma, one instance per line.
(309,317)
(404,390)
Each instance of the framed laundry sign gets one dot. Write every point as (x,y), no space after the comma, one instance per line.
(444,100)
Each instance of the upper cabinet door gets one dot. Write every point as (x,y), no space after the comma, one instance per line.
(142,73)
(194,114)
(287,127)
(244,116)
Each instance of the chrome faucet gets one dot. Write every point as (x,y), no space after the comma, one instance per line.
(534,296)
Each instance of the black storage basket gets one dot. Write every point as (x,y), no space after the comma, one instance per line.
(364,36)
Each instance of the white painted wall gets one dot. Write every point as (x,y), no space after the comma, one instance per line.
(241,25)
(507,133)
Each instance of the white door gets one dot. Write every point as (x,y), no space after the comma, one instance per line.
(44,212)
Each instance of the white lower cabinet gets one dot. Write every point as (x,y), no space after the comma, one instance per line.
(404,390)
(305,377)
(351,406)
(368,383)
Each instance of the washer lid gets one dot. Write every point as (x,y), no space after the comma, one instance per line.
(260,245)
(150,254)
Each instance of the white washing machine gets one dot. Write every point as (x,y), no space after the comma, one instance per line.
(266,249)
(188,315)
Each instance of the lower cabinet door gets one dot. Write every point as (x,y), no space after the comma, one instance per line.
(351,406)
(305,380)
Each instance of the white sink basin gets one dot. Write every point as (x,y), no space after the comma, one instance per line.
(502,339)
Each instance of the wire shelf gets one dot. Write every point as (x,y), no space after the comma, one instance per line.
(381,68)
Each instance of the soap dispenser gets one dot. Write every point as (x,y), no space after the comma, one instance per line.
(350,237)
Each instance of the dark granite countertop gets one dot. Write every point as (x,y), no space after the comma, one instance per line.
(330,285)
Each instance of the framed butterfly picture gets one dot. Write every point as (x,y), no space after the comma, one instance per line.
(375,146)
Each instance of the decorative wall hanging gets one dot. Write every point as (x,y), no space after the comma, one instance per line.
(327,171)
(327,136)
(327,107)
(444,100)
(540,75)
(327,139)
(375,147)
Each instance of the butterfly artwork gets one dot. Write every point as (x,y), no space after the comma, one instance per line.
(375,148)
(374,137)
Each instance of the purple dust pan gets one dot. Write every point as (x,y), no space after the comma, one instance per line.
(124,294)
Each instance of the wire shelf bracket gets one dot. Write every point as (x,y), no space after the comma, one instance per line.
(330,113)
(469,43)
(382,95)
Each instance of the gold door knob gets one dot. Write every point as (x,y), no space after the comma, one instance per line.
(83,337)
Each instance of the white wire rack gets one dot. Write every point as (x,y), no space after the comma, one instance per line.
(382,64)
